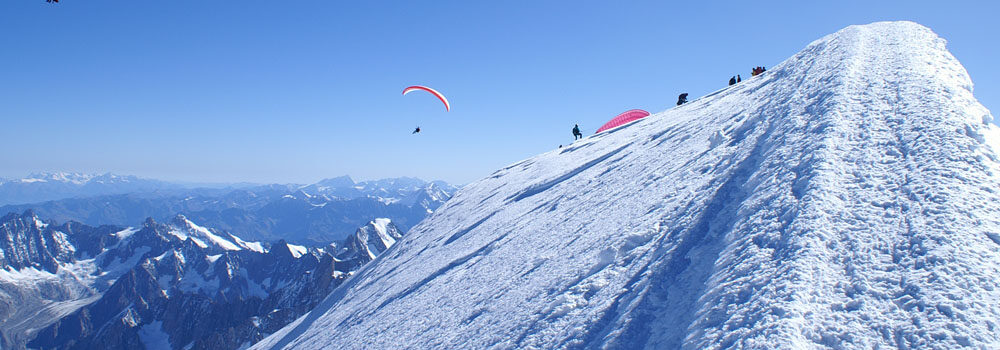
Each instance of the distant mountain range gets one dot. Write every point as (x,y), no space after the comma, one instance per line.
(319,213)
(162,285)
(96,283)
(41,187)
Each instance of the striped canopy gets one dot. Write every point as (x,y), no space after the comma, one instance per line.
(624,118)
(447,106)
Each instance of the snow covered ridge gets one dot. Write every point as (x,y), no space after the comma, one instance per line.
(183,228)
(851,202)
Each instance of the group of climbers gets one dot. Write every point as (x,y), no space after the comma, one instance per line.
(736,79)
(682,98)
(753,73)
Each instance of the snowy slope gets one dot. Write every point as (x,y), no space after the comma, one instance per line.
(846,198)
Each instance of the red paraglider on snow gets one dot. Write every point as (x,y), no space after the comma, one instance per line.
(624,118)
(447,106)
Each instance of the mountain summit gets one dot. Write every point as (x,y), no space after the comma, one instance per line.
(848,197)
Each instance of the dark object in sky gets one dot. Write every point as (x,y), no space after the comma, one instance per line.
(416,130)
(683,98)
(56,1)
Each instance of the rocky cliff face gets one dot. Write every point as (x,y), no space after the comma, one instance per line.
(177,283)
(368,242)
(40,279)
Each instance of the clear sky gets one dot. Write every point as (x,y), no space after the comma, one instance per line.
(296,90)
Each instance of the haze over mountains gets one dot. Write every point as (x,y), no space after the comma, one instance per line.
(43,186)
(319,213)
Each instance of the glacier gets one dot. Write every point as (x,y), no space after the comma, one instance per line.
(846,198)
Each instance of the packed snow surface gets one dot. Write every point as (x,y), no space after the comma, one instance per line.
(846,198)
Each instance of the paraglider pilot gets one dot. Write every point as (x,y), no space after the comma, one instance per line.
(576,132)
(416,130)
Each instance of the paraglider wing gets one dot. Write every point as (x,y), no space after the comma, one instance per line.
(623,118)
(441,97)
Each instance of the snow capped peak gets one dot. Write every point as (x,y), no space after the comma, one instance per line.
(41,187)
(380,224)
(297,250)
(285,249)
(368,242)
(74,178)
(844,198)
(184,229)
(253,246)
(376,237)
(181,220)
(27,218)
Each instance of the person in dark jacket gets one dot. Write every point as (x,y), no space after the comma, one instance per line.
(683,98)
(576,132)
(732,81)
(738,78)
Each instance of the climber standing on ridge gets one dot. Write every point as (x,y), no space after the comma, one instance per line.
(738,78)
(732,81)
(683,98)
(576,132)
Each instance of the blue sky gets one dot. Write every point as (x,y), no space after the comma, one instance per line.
(297,91)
